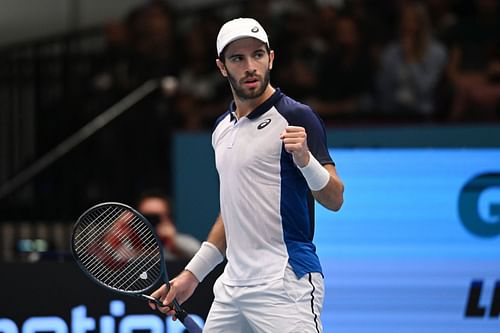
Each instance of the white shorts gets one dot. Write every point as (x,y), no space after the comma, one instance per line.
(287,305)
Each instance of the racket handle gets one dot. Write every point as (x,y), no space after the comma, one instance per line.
(188,322)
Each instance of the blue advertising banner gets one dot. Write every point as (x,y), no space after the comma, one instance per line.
(416,246)
(57,297)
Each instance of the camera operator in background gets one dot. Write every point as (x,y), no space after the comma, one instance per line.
(156,207)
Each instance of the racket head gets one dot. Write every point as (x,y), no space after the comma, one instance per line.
(117,247)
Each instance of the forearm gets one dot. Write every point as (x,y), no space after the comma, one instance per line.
(217,235)
(323,182)
(211,252)
(332,195)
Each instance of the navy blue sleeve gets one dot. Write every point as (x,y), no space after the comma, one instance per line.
(298,114)
(219,119)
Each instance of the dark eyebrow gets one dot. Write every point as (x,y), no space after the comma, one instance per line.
(224,54)
(234,55)
(241,55)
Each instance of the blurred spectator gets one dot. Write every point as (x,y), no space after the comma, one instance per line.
(345,72)
(111,65)
(474,67)
(442,15)
(411,67)
(141,47)
(300,47)
(135,146)
(262,11)
(202,95)
(375,21)
(156,207)
(477,96)
(152,36)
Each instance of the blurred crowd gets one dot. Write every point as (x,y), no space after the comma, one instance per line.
(356,62)
(352,60)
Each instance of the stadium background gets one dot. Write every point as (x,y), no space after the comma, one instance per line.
(409,251)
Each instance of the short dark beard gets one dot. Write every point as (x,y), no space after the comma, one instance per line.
(240,92)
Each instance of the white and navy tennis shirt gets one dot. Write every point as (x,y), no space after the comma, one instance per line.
(266,205)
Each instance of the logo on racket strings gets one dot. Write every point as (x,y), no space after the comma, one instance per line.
(118,246)
(144,276)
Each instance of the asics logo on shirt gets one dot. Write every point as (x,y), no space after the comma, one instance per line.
(264,124)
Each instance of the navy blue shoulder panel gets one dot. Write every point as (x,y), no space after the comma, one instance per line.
(220,118)
(298,114)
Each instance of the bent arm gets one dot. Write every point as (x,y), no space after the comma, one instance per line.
(323,180)
(332,195)
(217,235)
(208,256)
(211,252)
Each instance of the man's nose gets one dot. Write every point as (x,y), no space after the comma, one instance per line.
(250,65)
(250,72)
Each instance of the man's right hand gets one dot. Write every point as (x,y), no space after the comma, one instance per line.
(181,288)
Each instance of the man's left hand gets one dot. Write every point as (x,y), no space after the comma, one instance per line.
(295,141)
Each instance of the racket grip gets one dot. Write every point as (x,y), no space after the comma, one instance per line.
(190,324)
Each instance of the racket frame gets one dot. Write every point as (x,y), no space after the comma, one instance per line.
(163,275)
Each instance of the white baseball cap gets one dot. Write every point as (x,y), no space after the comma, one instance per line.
(240,28)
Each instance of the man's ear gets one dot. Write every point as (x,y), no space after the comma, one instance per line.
(271,59)
(221,66)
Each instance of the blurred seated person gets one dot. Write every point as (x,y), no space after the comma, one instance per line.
(151,32)
(477,96)
(202,90)
(298,41)
(411,68)
(140,47)
(345,73)
(474,67)
(155,206)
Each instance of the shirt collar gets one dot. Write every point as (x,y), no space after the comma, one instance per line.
(259,110)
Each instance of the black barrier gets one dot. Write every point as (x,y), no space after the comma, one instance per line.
(58,297)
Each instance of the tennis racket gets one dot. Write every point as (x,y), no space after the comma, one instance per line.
(118,249)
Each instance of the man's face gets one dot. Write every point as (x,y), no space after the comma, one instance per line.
(157,211)
(247,66)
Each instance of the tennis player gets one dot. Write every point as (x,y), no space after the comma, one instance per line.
(272,161)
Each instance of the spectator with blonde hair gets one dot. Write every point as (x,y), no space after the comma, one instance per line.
(411,67)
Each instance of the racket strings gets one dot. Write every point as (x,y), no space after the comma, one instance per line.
(97,215)
(148,257)
(86,236)
(118,257)
(96,244)
(118,249)
(126,251)
(143,268)
(106,248)
(92,243)
(135,263)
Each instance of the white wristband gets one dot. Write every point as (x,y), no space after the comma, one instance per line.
(317,177)
(204,261)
